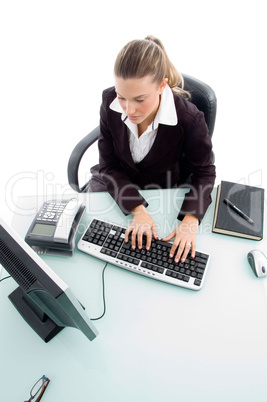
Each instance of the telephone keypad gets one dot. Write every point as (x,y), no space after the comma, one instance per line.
(51,211)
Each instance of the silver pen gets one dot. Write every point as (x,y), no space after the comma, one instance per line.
(238,211)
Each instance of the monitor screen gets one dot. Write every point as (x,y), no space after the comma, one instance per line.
(42,298)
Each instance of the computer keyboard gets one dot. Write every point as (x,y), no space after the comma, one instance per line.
(105,241)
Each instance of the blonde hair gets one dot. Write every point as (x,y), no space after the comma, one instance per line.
(140,58)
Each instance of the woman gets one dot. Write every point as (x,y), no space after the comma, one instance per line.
(146,124)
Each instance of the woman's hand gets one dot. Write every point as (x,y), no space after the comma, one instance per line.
(142,223)
(185,238)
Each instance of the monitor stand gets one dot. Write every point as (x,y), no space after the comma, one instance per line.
(35,317)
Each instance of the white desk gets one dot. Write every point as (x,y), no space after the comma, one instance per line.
(157,342)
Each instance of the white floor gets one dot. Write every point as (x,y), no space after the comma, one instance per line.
(57,57)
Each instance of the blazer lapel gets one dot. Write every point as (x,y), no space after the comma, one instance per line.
(165,140)
(122,143)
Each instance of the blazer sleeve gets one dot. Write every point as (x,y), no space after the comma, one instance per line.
(198,156)
(118,183)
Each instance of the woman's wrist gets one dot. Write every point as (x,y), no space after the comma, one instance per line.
(190,219)
(138,210)
(189,224)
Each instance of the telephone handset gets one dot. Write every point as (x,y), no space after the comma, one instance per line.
(55,225)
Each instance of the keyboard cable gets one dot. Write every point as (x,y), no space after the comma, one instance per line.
(103,295)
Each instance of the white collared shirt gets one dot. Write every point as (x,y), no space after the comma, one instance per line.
(140,146)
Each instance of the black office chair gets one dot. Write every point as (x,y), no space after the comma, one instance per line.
(202,95)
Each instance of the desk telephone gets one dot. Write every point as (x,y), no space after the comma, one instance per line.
(55,225)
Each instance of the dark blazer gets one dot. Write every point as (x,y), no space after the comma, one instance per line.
(161,166)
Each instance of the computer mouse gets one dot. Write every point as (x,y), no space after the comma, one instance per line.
(258,262)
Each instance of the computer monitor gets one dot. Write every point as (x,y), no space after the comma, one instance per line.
(42,298)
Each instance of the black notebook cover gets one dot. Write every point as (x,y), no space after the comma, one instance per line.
(249,200)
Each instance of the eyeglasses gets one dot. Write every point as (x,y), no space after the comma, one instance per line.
(38,389)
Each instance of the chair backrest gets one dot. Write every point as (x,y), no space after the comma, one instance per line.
(203,96)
